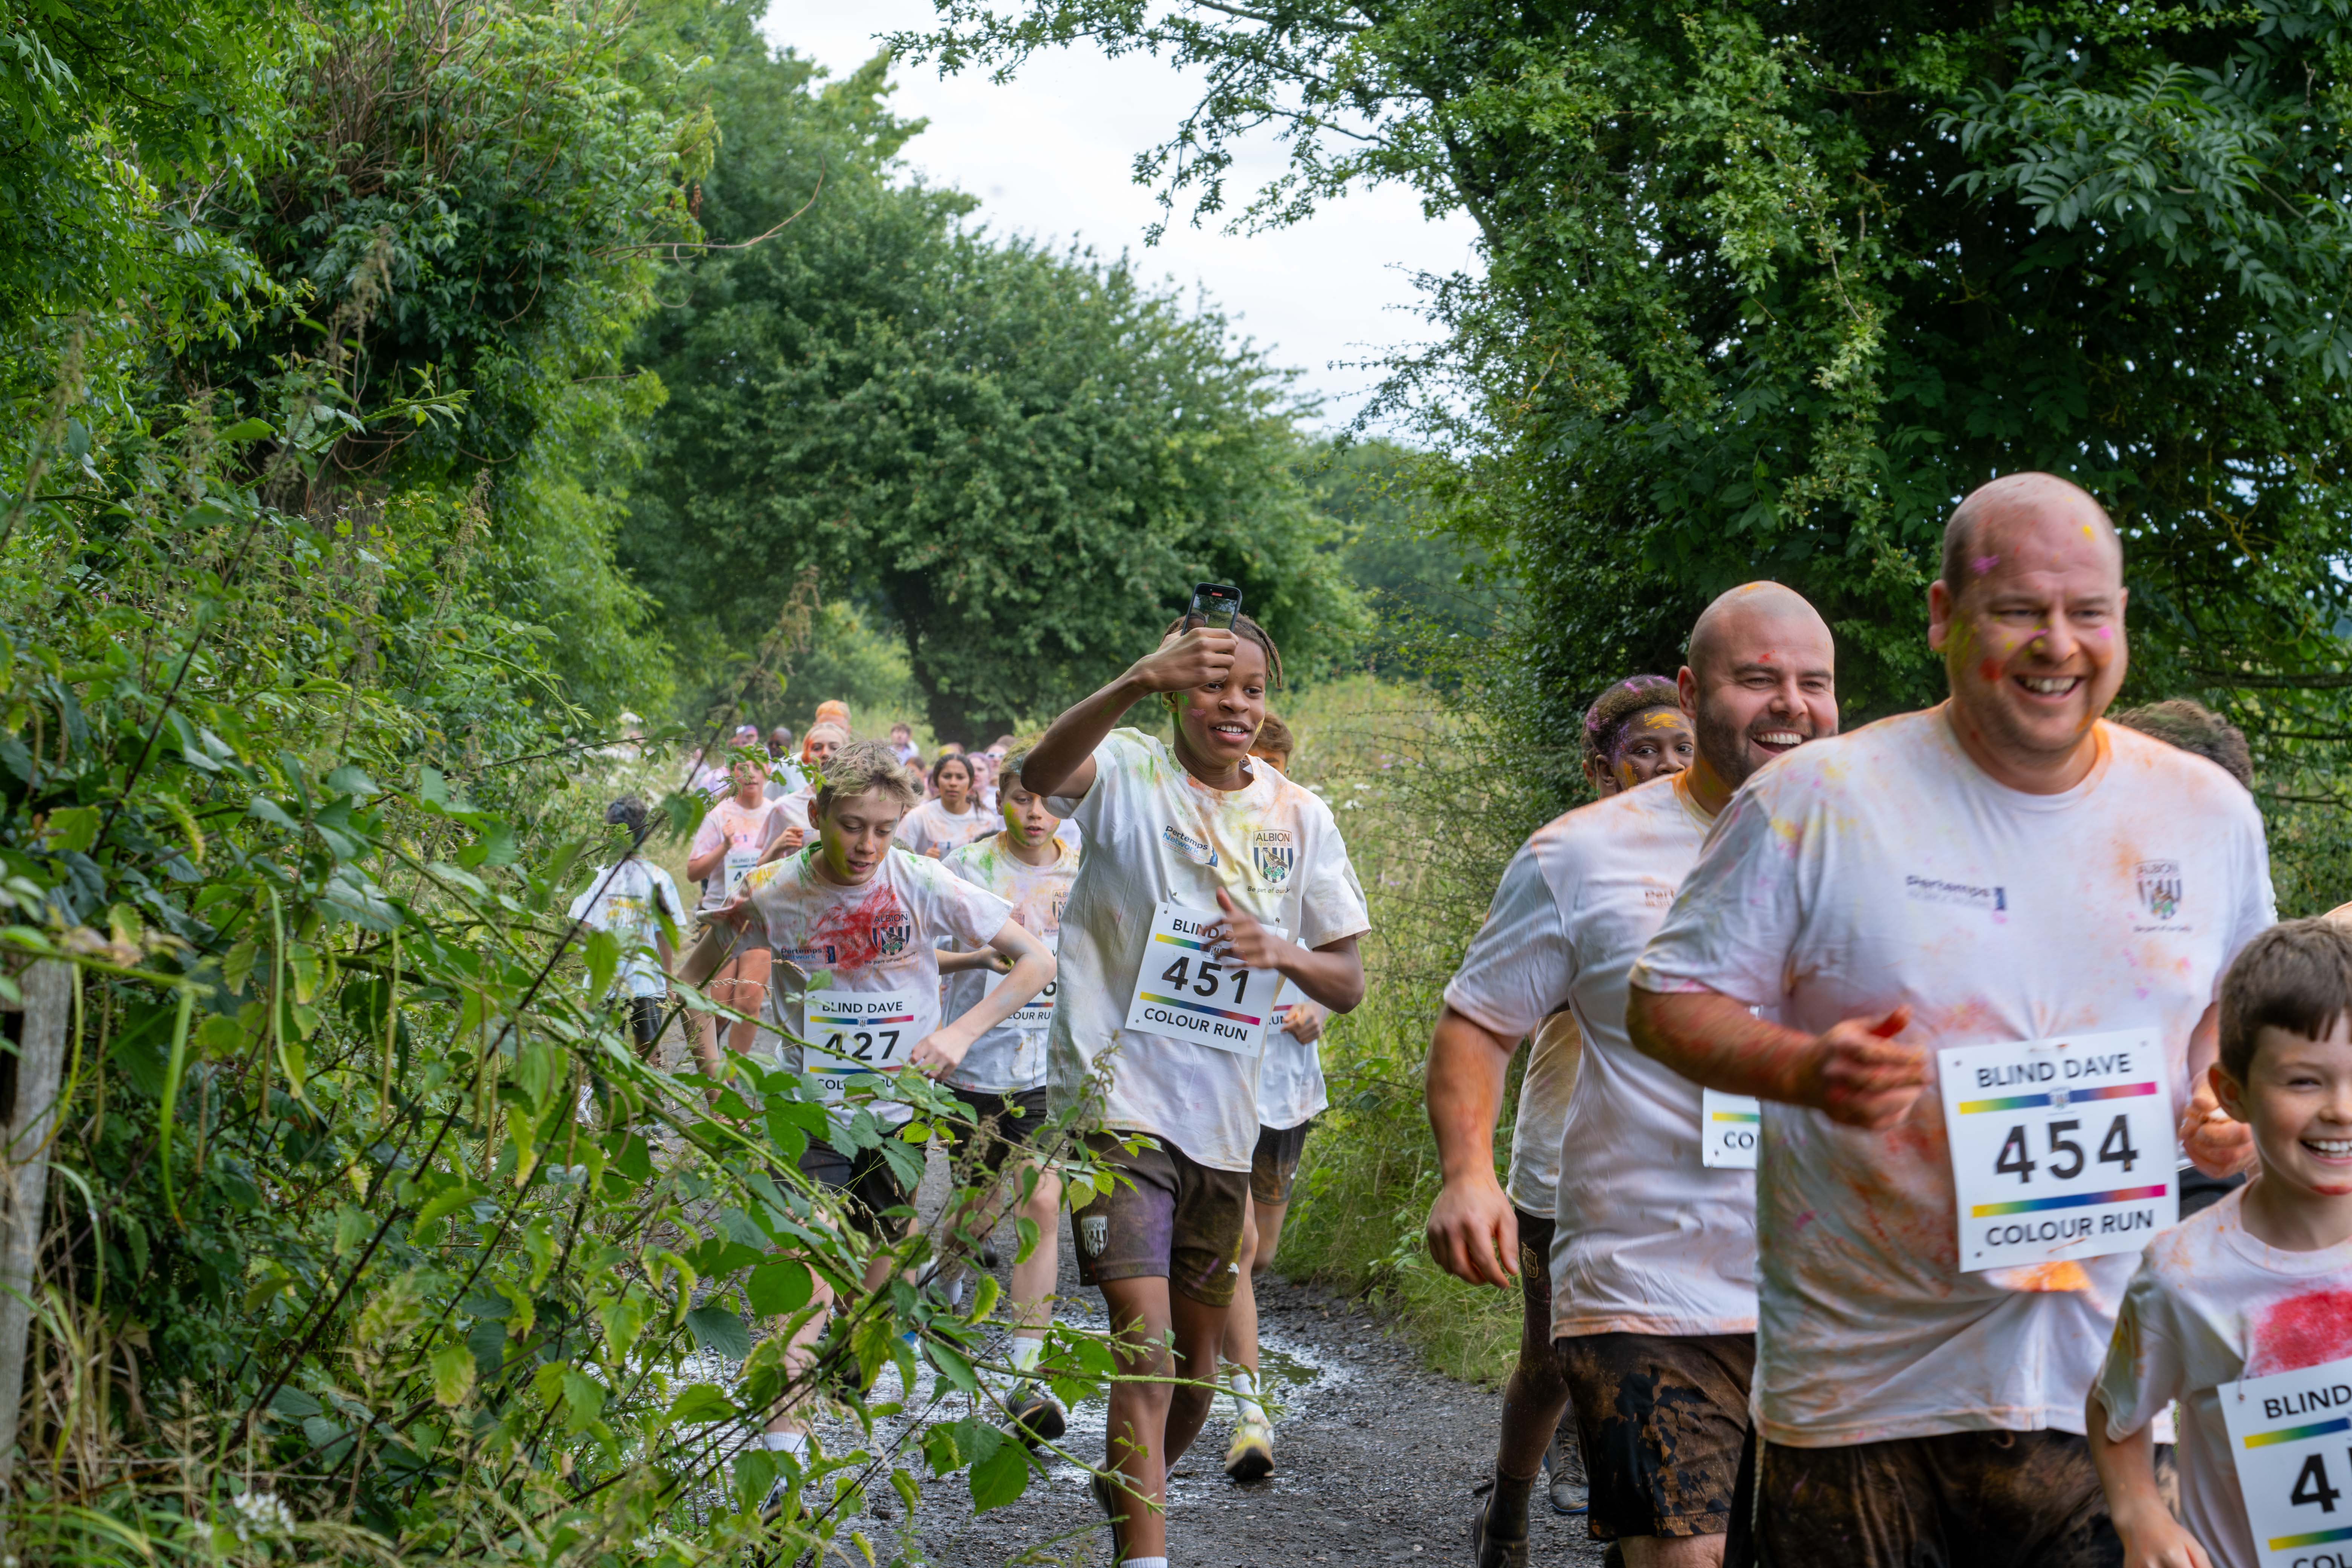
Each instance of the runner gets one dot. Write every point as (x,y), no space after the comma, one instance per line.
(635,901)
(734,837)
(2001,870)
(1291,1095)
(856,923)
(902,742)
(817,748)
(1634,732)
(1001,1083)
(2258,1287)
(950,821)
(785,776)
(1188,850)
(1639,1281)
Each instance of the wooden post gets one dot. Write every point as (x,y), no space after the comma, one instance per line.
(29,1081)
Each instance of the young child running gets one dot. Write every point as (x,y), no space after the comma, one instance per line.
(2257,1285)
(951,818)
(1206,874)
(635,901)
(857,924)
(736,835)
(1001,1083)
(1291,1095)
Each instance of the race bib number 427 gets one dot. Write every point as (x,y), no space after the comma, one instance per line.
(2062,1149)
(855,1032)
(2290,1435)
(1187,993)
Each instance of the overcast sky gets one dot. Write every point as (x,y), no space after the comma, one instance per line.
(1050,156)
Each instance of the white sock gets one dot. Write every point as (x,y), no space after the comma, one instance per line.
(796,1444)
(1245,1396)
(955,1292)
(1025,1351)
(1143,1563)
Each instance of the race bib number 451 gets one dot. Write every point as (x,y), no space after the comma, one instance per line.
(2290,1435)
(1185,992)
(2062,1149)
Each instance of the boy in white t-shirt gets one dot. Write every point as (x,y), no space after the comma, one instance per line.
(1245,857)
(635,901)
(854,924)
(2258,1284)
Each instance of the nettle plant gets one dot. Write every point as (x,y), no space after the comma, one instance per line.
(368,1235)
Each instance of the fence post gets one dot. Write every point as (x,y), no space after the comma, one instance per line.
(28,1107)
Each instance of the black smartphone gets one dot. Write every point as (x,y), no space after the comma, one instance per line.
(1214,604)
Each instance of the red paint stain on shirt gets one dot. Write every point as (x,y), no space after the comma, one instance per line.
(874,927)
(2304,1330)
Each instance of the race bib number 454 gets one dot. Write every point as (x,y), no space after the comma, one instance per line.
(1185,992)
(2062,1149)
(2290,1435)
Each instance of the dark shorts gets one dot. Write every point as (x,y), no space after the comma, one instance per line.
(1661,1419)
(2199,1192)
(1002,1122)
(1536,1232)
(868,1183)
(1273,1169)
(645,1024)
(1178,1220)
(2001,1499)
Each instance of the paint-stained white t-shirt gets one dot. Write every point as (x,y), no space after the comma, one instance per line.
(1290,1087)
(631,900)
(878,936)
(1883,869)
(1154,833)
(2212,1305)
(932,829)
(741,830)
(1651,1241)
(1011,1058)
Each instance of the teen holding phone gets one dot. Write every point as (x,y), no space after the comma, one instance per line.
(1241,856)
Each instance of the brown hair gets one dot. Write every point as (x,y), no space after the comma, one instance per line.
(865,767)
(2295,976)
(1605,720)
(1273,736)
(2196,729)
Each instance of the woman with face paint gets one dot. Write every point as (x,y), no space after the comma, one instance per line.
(1212,877)
(951,819)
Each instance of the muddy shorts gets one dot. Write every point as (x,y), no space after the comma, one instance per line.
(1661,1419)
(1999,1500)
(1273,1169)
(866,1181)
(1178,1220)
(1005,1120)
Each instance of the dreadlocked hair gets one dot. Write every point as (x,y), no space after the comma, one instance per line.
(865,767)
(2192,727)
(1247,630)
(1613,709)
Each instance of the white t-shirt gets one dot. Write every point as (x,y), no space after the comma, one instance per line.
(1155,833)
(1555,1053)
(1290,1087)
(1011,1058)
(785,777)
(1651,1241)
(740,829)
(878,936)
(629,905)
(1883,868)
(2210,1305)
(932,829)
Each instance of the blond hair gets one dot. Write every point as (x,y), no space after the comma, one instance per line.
(865,767)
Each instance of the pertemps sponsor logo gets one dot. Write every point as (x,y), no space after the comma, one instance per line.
(1197,850)
(1274,851)
(1993,900)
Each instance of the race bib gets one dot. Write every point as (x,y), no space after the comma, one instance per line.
(854,1034)
(740,863)
(2062,1149)
(1728,1125)
(1183,992)
(1039,1011)
(2291,1435)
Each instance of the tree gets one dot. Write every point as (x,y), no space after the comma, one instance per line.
(1766,290)
(1024,458)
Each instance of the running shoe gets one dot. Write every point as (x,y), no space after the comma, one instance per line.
(1035,1413)
(1486,1551)
(1250,1455)
(1111,1496)
(1564,1483)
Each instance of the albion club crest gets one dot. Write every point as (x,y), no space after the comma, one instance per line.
(1274,851)
(2159,888)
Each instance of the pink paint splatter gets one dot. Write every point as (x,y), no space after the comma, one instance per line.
(1984,563)
(2303,1330)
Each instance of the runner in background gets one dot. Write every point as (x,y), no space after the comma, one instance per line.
(2260,1285)
(951,821)
(1291,1095)
(1993,878)
(856,924)
(902,743)
(1197,868)
(1636,732)
(736,836)
(1001,1083)
(984,784)
(635,901)
(2198,731)
(835,712)
(784,776)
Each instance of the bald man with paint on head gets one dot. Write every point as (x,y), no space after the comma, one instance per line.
(1648,1323)
(2002,890)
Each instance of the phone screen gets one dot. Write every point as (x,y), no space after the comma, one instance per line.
(1215,605)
